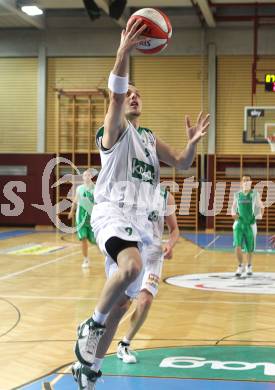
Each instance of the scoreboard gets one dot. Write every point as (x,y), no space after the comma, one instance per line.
(270,82)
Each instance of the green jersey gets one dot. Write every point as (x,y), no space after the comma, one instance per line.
(245,208)
(85,202)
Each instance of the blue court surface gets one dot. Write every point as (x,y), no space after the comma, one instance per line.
(137,383)
(15,233)
(173,368)
(224,241)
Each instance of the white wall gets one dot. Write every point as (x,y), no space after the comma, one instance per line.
(101,42)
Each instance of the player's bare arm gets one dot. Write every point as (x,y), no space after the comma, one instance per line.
(115,122)
(234,210)
(73,207)
(174,233)
(260,205)
(184,159)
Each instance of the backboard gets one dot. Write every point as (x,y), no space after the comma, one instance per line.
(258,120)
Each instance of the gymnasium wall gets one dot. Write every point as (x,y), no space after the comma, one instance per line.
(70,73)
(18,104)
(172,84)
(234,79)
(170,88)
(83,57)
(21,188)
(104,42)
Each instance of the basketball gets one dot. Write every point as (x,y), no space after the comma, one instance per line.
(159,30)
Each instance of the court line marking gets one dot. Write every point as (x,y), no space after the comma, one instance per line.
(207,246)
(61,375)
(14,274)
(214,302)
(191,340)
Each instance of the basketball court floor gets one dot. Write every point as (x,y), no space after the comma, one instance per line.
(206,329)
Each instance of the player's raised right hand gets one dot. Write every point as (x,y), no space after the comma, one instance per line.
(131,36)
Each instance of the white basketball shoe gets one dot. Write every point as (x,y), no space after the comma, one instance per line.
(240,271)
(89,334)
(125,354)
(84,376)
(86,263)
(249,270)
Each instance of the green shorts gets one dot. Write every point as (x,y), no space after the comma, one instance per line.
(86,231)
(244,236)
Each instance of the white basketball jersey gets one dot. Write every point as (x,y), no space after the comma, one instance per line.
(157,216)
(130,169)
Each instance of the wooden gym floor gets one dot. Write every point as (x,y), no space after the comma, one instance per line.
(43,297)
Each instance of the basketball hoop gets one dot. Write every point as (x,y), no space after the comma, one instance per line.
(271,140)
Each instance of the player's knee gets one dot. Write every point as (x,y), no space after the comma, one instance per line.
(132,272)
(132,269)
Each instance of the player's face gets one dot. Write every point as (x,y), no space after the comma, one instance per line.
(246,183)
(87,177)
(133,103)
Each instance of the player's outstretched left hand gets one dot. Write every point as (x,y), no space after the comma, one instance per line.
(167,251)
(199,130)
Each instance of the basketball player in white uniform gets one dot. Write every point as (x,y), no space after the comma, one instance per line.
(145,287)
(124,195)
(154,256)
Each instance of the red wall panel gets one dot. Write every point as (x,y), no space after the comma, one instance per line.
(30,215)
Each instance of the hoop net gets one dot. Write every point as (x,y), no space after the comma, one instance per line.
(271,141)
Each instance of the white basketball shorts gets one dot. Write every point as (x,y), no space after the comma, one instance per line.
(109,220)
(153,268)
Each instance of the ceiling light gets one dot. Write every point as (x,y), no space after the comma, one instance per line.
(31,10)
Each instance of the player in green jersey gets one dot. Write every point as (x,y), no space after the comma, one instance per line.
(247,207)
(83,204)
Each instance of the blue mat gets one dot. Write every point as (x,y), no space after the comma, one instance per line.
(15,233)
(137,383)
(224,241)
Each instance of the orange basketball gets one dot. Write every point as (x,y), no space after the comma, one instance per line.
(158,31)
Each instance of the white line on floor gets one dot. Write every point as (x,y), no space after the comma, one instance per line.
(207,246)
(14,274)
(58,298)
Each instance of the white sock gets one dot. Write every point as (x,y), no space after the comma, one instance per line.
(99,317)
(96,365)
(126,341)
(86,259)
